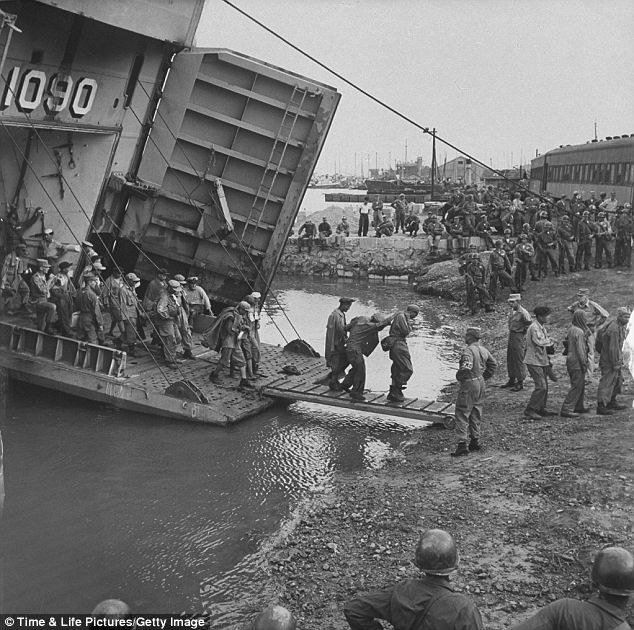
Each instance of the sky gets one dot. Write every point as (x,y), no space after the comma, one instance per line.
(500,79)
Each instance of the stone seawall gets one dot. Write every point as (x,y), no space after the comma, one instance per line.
(390,258)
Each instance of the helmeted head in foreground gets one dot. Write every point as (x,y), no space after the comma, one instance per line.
(114,608)
(274,618)
(613,571)
(436,553)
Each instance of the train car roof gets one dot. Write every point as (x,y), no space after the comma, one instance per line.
(615,143)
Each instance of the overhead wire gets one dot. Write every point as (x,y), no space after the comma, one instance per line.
(377,100)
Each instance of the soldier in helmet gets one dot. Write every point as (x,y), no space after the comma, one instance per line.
(566,239)
(585,234)
(624,230)
(547,249)
(274,618)
(499,270)
(523,256)
(604,238)
(475,279)
(425,603)
(613,576)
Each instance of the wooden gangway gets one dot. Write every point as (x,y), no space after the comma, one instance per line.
(109,375)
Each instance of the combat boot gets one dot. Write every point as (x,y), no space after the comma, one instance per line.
(474,444)
(602,410)
(616,406)
(245,384)
(395,394)
(214,377)
(187,354)
(461,450)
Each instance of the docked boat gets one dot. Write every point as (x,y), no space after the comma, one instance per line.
(114,130)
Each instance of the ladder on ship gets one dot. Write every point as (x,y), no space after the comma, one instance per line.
(273,165)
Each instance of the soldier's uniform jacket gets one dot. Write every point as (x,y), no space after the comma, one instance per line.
(585,231)
(475,270)
(604,230)
(499,260)
(547,237)
(623,226)
(40,289)
(524,251)
(168,306)
(475,361)
(88,303)
(565,231)
(508,245)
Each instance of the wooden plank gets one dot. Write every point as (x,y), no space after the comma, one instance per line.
(423,403)
(408,402)
(436,407)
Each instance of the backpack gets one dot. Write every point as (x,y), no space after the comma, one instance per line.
(598,342)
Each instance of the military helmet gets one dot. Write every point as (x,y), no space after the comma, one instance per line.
(601,215)
(586,213)
(543,214)
(613,571)
(436,552)
(565,218)
(507,231)
(274,618)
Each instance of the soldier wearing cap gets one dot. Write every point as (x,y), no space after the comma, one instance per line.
(519,320)
(182,322)
(400,210)
(168,314)
(129,308)
(613,576)
(336,336)
(421,603)
(15,290)
(476,365)
(610,205)
(196,298)
(154,290)
(363,338)
(251,345)
(63,294)
(89,250)
(623,230)
(595,316)
(51,249)
(94,268)
(343,228)
(396,343)
(611,336)
(40,294)
(538,344)
(90,326)
(225,336)
(110,300)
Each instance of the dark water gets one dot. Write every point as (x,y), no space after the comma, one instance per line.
(171,516)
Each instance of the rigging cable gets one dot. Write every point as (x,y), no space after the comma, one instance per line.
(204,218)
(74,235)
(375,99)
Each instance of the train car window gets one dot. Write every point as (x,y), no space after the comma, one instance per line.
(618,175)
(612,168)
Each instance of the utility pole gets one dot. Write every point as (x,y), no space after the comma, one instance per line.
(595,129)
(433,161)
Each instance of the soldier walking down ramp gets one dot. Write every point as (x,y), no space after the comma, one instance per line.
(336,335)
(396,343)
(424,603)
(476,365)
(363,338)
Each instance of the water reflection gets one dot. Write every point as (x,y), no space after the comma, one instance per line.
(171,516)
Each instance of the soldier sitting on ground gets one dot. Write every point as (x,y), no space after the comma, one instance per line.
(306,235)
(412,223)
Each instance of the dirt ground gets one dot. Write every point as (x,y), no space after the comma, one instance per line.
(528,512)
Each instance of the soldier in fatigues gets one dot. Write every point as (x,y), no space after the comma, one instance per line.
(475,281)
(336,335)
(402,368)
(40,293)
(63,296)
(129,307)
(15,290)
(476,365)
(500,267)
(624,230)
(90,327)
(424,603)
(168,314)
(566,239)
(613,575)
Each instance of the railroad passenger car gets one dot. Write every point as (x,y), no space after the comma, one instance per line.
(603,166)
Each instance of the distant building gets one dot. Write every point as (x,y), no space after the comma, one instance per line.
(462,170)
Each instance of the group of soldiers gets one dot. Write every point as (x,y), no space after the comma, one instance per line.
(347,345)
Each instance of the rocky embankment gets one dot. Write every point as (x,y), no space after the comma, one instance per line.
(528,512)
